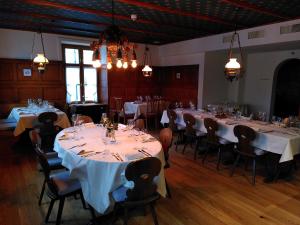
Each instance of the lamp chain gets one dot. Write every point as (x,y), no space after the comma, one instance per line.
(42,40)
(32,48)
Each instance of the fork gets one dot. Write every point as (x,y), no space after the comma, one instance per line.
(78,145)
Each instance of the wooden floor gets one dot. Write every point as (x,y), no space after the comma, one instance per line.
(200,195)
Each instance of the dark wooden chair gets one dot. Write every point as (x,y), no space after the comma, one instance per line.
(245,136)
(54,163)
(142,173)
(139,124)
(190,134)
(47,130)
(165,138)
(151,112)
(117,108)
(213,141)
(176,129)
(60,186)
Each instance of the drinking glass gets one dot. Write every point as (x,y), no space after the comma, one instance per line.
(74,119)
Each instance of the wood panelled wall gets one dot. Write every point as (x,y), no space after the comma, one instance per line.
(15,88)
(130,83)
(179,83)
(165,81)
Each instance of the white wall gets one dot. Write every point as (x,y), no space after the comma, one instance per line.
(258,80)
(16,44)
(206,52)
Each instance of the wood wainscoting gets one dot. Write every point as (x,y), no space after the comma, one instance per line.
(15,88)
(175,83)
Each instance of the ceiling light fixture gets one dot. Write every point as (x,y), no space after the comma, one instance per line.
(234,69)
(40,60)
(147,70)
(118,49)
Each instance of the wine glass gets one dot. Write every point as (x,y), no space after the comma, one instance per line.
(74,119)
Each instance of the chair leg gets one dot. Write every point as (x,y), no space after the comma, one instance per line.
(176,144)
(246,164)
(82,200)
(125,215)
(168,189)
(205,155)
(42,192)
(254,171)
(60,210)
(183,150)
(219,158)
(235,164)
(92,211)
(153,214)
(49,210)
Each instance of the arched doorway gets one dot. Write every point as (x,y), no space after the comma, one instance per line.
(286,89)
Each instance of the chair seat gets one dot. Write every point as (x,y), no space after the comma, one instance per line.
(55,163)
(223,141)
(50,155)
(180,127)
(119,195)
(64,184)
(200,133)
(259,151)
(8,126)
(9,120)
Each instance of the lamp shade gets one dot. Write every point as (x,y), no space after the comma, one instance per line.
(233,64)
(147,71)
(40,58)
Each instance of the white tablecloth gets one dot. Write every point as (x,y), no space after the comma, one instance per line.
(102,173)
(271,138)
(135,108)
(25,117)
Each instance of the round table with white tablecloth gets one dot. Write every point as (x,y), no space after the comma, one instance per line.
(99,163)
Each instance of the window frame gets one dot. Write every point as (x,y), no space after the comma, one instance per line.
(81,67)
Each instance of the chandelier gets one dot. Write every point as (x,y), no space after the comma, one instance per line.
(40,60)
(119,50)
(147,70)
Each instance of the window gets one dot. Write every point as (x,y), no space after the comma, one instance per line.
(81,77)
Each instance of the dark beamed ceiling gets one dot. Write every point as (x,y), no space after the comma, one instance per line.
(159,22)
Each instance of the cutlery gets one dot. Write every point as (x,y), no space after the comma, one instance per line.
(117,154)
(91,154)
(144,152)
(78,145)
(83,152)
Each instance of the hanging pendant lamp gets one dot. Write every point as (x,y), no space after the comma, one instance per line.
(40,60)
(147,70)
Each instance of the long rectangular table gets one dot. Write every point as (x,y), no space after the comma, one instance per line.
(25,117)
(271,138)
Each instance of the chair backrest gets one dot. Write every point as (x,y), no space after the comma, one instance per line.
(139,124)
(47,118)
(152,106)
(212,127)
(142,172)
(245,135)
(172,119)
(43,162)
(118,104)
(165,138)
(190,122)
(46,169)
(47,129)
(84,119)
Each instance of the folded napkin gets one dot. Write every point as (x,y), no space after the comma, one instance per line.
(134,156)
(148,139)
(89,125)
(231,122)
(262,130)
